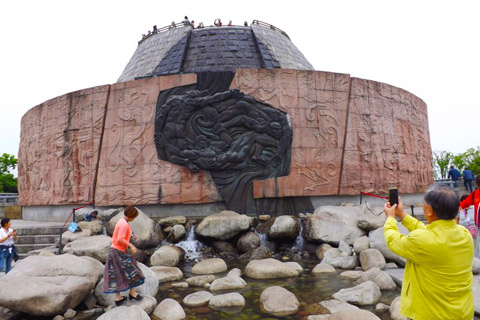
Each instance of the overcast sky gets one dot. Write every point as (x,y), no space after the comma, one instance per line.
(429,48)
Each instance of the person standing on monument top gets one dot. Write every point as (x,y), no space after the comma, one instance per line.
(468,179)
(454,175)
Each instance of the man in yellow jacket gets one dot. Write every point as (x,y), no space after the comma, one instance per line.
(437,284)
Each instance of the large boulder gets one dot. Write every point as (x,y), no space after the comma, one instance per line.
(371,218)
(284,227)
(279,301)
(176,234)
(335,305)
(377,241)
(125,313)
(171,221)
(69,236)
(197,299)
(47,286)
(166,274)
(366,293)
(147,231)
(169,309)
(210,266)
(381,279)
(95,226)
(200,281)
(223,225)
(361,244)
(321,249)
(228,283)
(323,268)
(227,300)
(332,224)
(372,258)
(269,269)
(395,309)
(167,256)
(248,241)
(96,247)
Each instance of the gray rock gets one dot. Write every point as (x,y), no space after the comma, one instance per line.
(179,285)
(108,214)
(166,274)
(391,265)
(332,224)
(167,256)
(210,266)
(269,269)
(200,281)
(351,274)
(377,241)
(256,254)
(353,314)
(334,258)
(294,265)
(321,249)
(371,218)
(228,283)
(227,300)
(323,268)
(171,221)
(197,299)
(147,231)
(476,265)
(279,301)
(125,313)
(381,307)
(169,309)
(176,234)
(344,248)
(70,313)
(235,272)
(96,226)
(372,258)
(284,227)
(49,286)
(69,236)
(96,247)
(335,305)
(395,309)
(366,293)
(361,244)
(223,225)
(381,279)
(248,241)
(147,304)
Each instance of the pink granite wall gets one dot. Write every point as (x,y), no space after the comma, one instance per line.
(349,135)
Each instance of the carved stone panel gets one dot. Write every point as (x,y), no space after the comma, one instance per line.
(59,148)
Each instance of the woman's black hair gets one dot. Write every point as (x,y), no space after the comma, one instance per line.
(477,180)
(444,202)
(4,221)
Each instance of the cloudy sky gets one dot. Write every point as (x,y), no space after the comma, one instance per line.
(430,48)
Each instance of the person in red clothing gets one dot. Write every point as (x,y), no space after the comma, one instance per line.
(474,199)
(121,270)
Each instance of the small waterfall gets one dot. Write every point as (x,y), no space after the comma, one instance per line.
(190,245)
(299,242)
(105,231)
(262,236)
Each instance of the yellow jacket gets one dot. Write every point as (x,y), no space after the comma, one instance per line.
(437,284)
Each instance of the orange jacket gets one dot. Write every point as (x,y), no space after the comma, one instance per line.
(473,198)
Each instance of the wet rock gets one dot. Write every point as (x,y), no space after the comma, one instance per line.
(125,313)
(167,256)
(332,224)
(223,225)
(200,281)
(264,217)
(169,309)
(167,274)
(361,244)
(334,258)
(235,272)
(381,279)
(69,236)
(210,266)
(279,301)
(48,286)
(228,283)
(366,293)
(176,234)
(171,221)
(476,265)
(179,285)
(377,241)
(345,249)
(284,227)
(381,308)
(353,314)
(269,269)
(95,226)
(147,304)
(351,274)
(147,231)
(96,247)
(70,313)
(323,268)
(57,317)
(256,254)
(395,309)
(227,300)
(294,265)
(335,305)
(372,258)
(248,241)
(197,299)
(223,246)
(321,249)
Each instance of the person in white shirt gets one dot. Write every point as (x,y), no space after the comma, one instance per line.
(7,248)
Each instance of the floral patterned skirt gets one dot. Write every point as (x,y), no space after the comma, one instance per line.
(121,272)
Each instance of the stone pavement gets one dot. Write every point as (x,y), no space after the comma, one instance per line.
(397,275)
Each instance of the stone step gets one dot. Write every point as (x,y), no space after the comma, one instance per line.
(25,248)
(37,239)
(32,231)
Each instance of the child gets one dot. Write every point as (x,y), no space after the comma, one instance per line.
(91,216)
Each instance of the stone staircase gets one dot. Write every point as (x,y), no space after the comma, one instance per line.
(32,237)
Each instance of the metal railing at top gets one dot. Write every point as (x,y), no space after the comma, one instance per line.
(62,229)
(8,198)
(272,27)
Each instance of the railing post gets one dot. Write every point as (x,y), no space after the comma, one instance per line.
(73,217)
(361,196)
(59,252)
(412,207)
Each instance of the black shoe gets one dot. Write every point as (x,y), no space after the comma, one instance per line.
(139,297)
(120,302)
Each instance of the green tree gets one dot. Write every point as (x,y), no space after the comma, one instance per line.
(441,160)
(8,183)
(472,159)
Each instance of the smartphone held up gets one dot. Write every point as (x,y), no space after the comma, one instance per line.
(393,196)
